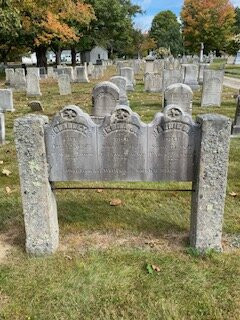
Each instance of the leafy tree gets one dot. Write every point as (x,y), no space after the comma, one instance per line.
(10,28)
(207,21)
(113,26)
(166,31)
(46,23)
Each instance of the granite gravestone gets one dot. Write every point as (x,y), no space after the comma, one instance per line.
(50,72)
(212,88)
(149,66)
(171,77)
(121,83)
(19,79)
(6,100)
(172,147)
(179,94)
(153,82)
(9,73)
(191,76)
(236,123)
(36,106)
(64,84)
(129,75)
(105,98)
(33,71)
(202,67)
(81,74)
(33,86)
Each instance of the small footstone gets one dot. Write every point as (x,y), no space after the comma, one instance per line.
(36,106)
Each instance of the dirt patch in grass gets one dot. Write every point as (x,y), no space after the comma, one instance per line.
(83,242)
(5,249)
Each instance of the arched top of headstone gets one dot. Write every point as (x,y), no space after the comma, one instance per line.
(71,114)
(179,87)
(149,58)
(106,87)
(118,78)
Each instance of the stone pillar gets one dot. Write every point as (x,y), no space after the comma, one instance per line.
(39,205)
(2,128)
(209,183)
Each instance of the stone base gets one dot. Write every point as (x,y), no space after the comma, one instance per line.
(130,88)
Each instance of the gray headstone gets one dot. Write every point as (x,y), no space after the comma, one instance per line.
(71,146)
(153,82)
(81,74)
(9,72)
(2,128)
(202,67)
(36,106)
(129,75)
(20,80)
(212,88)
(6,100)
(33,86)
(121,83)
(105,97)
(64,84)
(50,72)
(172,77)
(180,95)
(39,204)
(191,76)
(33,71)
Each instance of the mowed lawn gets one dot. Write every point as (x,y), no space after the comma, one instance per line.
(103,267)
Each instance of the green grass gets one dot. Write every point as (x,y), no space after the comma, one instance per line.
(100,269)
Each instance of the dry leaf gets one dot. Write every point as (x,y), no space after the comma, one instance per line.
(233,194)
(155,268)
(6,172)
(1,162)
(99,190)
(8,190)
(115,202)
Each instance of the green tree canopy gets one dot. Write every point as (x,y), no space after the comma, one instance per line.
(166,32)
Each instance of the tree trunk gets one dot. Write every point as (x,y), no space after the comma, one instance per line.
(58,53)
(41,52)
(74,56)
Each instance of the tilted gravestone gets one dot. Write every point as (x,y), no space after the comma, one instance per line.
(129,75)
(72,147)
(172,77)
(153,82)
(121,83)
(64,84)
(179,94)
(36,106)
(6,100)
(105,97)
(191,76)
(236,123)
(33,86)
(212,88)
(81,74)
(2,128)
(9,73)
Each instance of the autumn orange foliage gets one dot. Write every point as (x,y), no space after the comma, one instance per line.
(207,21)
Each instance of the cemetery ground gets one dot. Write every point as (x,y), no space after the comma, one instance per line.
(130,261)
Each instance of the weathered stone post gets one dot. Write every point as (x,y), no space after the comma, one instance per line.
(209,182)
(39,205)
(2,128)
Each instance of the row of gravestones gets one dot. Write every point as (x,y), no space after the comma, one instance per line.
(212,83)
(30,83)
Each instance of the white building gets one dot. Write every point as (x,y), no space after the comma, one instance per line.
(97,53)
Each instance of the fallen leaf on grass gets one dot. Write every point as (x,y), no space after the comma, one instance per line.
(1,162)
(149,268)
(99,190)
(155,268)
(115,202)
(6,172)
(233,194)
(8,190)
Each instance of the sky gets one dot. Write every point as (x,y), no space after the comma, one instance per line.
(152,7)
